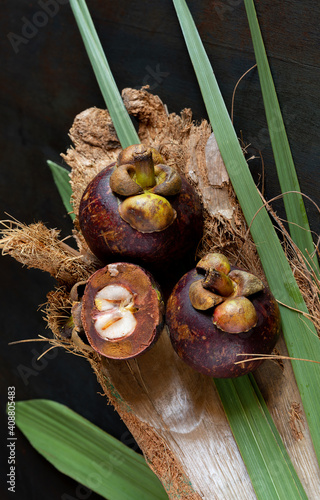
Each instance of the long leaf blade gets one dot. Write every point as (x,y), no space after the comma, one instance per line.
(61,178)
(268,463)
(294,205)
(299,332)
(86,453)
(119,115)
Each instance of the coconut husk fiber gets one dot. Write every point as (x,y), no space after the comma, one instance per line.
(174,413)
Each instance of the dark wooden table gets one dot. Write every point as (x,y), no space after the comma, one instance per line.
(47,79)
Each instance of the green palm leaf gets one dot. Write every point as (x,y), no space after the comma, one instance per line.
(265,456)
(84,452)
(300,334)
(294,205)
(119,115)
(61,178)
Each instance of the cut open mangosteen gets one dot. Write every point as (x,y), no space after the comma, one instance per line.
(140,209)
(122,311)
(217,312)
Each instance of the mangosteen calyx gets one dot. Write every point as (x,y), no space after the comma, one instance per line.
(145,182)
(226,291)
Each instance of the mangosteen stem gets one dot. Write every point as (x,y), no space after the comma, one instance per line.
(144,169)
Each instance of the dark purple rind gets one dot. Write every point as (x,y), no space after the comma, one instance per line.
(209,350)
(108,235)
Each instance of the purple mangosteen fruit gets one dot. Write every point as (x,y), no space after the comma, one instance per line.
(122,310)
(141,210)
(217,312)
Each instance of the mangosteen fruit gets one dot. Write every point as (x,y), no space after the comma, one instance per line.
(140,209)
(217,313)
(122,310)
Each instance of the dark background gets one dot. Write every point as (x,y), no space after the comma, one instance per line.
(47,79)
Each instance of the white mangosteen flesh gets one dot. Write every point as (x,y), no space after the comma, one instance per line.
(114,318)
